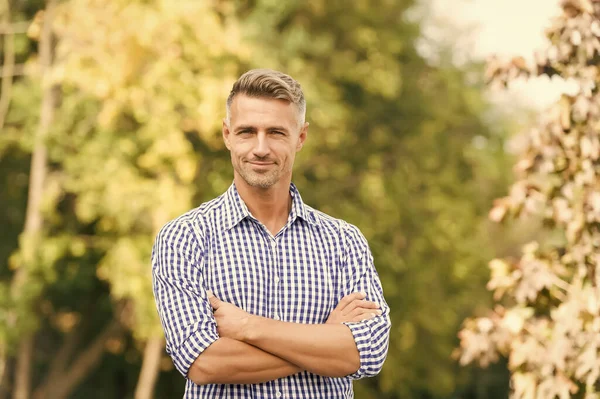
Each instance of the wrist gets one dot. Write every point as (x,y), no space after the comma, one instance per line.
(249,329)
(257,329)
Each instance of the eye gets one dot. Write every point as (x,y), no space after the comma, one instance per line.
(278,132)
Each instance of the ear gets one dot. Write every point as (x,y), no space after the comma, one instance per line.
(302,137)
(226,134)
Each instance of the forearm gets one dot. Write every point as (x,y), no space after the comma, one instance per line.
(323,349)
(228,361)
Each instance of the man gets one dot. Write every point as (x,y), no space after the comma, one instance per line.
(260,295)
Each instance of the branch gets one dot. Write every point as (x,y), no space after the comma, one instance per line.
(59,364)
(62,385)
(6,28)
(85,362)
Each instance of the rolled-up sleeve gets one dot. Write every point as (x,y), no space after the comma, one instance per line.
(185,313)
(359,273)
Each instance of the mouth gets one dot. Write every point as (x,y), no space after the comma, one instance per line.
(259,163)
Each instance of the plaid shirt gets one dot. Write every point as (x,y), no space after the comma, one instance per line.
(297,276)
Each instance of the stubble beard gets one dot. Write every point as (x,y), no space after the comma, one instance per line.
(259,180)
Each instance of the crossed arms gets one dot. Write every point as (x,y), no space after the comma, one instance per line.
(229,346)
(254,349)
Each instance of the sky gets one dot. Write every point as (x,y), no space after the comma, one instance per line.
(506,28)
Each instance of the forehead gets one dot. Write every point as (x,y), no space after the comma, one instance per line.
(262,111)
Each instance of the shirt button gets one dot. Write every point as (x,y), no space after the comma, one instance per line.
(278,394)
(276,279)
(276,318)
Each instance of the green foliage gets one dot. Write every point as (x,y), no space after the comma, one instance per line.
(136,141)
(395,135)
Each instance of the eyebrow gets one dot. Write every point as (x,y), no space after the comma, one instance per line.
(252,128)
(283,129)
(244,127)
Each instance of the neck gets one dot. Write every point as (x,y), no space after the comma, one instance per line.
(271,206)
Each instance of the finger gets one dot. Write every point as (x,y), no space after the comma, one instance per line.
(361,311)
(214,301)
(348,299)
(367,304)
(364,316)
(360,303)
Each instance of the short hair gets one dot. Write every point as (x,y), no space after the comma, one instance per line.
(271,84)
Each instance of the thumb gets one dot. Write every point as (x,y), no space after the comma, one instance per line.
(214,301)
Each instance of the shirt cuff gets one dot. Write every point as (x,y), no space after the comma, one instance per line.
(362,337)
(191,348)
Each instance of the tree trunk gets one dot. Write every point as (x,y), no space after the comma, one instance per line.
(23,369)
(6,381)
(3,371)
(9,64)
(33,217)
(150,368)
(7,72)
(155,345)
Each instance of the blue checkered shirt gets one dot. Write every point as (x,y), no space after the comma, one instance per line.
(297,276)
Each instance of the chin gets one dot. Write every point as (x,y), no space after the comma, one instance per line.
(259,180)
(261,183)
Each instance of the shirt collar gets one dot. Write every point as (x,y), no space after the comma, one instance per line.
(238,211)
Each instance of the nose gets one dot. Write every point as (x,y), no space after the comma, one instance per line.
(261,147)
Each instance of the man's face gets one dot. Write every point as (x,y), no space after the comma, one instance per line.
(263,137)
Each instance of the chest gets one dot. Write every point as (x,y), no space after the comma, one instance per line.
(293,276)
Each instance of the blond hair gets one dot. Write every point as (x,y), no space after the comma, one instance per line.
(271,84)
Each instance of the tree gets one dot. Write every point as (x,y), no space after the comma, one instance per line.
(22,292)
(546,319)
(136,141)
(143,123)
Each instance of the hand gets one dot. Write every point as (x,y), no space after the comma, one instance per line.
(353,308)
(231,320)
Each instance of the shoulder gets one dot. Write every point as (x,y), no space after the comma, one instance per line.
(346,231)
(193,224)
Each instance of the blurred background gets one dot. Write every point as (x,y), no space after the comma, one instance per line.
(110,116)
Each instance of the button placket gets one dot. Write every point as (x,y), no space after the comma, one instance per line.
(276,315)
